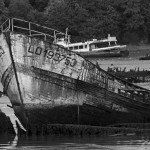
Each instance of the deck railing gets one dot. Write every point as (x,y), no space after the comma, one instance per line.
(29,28)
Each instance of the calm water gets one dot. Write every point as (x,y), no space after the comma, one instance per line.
(129,142)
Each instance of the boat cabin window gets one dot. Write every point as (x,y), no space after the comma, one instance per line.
(81,47)
(70,48)
(92,46)
(112,43)
(102,44)
(75,47)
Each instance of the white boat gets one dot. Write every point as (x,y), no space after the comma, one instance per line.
(107,47)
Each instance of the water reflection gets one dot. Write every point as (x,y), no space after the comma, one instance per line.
(130,142)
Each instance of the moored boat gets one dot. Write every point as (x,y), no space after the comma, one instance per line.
(94,48)
(43,80)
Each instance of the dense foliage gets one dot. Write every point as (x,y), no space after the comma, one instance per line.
(129,20)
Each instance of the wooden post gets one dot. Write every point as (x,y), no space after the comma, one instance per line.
(78,113)
(12,24)
(78,122)
(45,37)
(29,28)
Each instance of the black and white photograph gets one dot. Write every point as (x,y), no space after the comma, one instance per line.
(74,74)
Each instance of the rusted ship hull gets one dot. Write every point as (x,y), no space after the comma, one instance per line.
(38,75)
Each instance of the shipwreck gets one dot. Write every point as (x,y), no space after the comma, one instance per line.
(37,74)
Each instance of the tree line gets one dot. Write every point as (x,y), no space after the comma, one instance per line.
(128,20)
